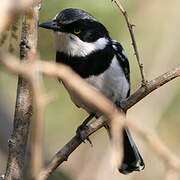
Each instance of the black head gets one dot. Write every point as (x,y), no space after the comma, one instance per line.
(79,23)
(68,16)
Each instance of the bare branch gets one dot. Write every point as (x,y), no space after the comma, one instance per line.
(151,86)
(23,109)
(130,27)
(64,73)
(63,154)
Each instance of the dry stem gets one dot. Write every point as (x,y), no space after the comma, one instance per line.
(130,27)
(40,102)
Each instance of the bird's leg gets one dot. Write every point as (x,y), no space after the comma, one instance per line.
(118,105)
(83,127)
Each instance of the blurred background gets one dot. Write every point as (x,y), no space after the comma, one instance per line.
(158,37)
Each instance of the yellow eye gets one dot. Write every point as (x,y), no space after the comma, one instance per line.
(77,31)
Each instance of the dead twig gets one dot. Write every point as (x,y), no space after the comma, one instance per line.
(39,101)
(151,86)
(130,27)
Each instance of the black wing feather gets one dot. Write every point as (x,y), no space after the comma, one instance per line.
(122,59)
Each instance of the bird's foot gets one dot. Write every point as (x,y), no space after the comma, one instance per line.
(118,104)
(80,134)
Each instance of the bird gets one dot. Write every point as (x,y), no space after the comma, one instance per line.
(84,44)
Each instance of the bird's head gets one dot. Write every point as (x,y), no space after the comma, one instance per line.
(77,33)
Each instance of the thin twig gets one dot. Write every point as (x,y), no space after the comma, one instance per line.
(39,102)
(117,140)
(130,27)
(150,86)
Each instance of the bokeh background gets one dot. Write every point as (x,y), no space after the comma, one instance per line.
(157,32)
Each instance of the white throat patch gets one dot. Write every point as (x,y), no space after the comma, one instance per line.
(72,45)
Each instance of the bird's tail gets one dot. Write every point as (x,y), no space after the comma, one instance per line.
(132,159)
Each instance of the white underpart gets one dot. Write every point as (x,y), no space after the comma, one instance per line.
(112,83)
(74,46)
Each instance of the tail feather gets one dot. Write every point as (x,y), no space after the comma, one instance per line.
(132,159)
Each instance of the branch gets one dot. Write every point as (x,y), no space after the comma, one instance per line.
(151,86)
(40,101)
(23,109)
(77,84)
(130,27)
(89,96)
(63,154)
(80,87)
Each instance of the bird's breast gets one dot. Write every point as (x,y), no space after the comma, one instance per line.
(72,45)
(112,83)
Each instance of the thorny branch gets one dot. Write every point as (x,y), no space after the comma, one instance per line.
(130,27)
(77,84)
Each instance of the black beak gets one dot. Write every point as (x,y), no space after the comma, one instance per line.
(49,25)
